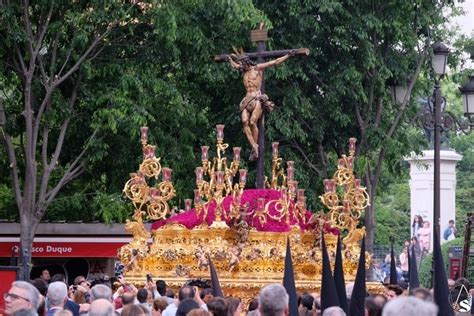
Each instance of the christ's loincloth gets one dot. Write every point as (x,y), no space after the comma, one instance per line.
(249,102)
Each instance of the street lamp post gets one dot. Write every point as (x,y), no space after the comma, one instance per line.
(439,60)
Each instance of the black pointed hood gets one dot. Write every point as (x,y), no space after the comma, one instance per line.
(413,277)
(393,267)
(339,277)
(216,286)
(328,288)
(441,290)
(357,305)
(289,282)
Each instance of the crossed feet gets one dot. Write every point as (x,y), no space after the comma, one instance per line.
(254,154)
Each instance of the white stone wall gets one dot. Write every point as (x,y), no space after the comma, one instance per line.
(421,187)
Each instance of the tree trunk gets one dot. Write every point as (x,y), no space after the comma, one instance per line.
(369,228)
(28,229)
(370,224)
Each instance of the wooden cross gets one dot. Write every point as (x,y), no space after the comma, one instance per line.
(260,36)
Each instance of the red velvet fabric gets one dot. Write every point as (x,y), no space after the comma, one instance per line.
(251,196)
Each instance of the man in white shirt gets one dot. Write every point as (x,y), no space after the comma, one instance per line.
(184,292)
(160,291)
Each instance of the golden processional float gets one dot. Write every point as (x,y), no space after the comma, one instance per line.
(243,231)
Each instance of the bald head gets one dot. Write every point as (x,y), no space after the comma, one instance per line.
(101,307)
(128,298)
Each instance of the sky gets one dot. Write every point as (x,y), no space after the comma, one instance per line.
(466,22)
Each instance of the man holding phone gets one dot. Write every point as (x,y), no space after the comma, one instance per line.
(159,289)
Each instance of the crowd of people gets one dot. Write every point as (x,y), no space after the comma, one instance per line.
(419,243)
(52,297)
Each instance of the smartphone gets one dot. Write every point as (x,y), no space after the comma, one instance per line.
(149,278)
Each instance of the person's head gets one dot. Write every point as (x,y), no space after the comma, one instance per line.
(101,307)
(79,279)
(307,301)
(414,240)
(133,310)
(422,293)
(142,295)
(82,281)
(253,305)
(451,223)
(451,283)
(22,295)
(41,285)
(206,295)
(58,277)
(79,297)
(380,300)
(185,306)
(420,219)
(334,311)
(25,312)
(234,306)
(376,263)
(170,293)
(217,306)
(198,312)
(426,224)
(127,298)
(186,292)
(159,304)
(372,308)
(101,291)
(161,287)
(57,294)
(403,284)
(409,306)
(273,300)
(245,63)
(63,312)
(45,275)
(462,281)
(393,291)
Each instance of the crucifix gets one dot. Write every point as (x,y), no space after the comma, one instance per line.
(256,102)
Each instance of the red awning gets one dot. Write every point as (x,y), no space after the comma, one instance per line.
(72,247)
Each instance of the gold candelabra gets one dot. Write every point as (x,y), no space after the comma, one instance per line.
(152,201)
(292,199)
(345,188)
(220,181)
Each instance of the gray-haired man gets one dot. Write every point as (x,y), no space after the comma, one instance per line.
(22,295)
(273,301)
